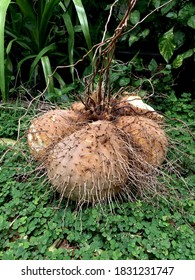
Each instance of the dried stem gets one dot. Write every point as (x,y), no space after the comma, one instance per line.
(106,54)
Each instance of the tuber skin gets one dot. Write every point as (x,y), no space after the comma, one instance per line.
(96,152)
(49,128)
(90,165)
(146,136)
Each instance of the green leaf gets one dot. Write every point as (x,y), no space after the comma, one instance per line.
(8,72)
(51,47)
(167,45)
(9,46)
(114,76)
(178,61)
(179,38)
(3,9)
(7,141)
(83,22)
(186,12)
(132,39)
(30,20)
(145,33)
(68,88)
(3,223)
(60,80)
(156,3)
(191,22)
(47,73)
(27,8)
(45,17)
(22,39)
(168,7)
(25,59)
(172,15)
(124,82)
(152,66)
(135,17)
(71,37)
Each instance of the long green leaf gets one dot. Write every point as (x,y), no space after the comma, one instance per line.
(47,74)
(9,46)
(8,73)
(60,80)
(51,47)
(25,59)
(26,7)
(41,5)
(45,17)
(8,66)
(21,40)
(3,9)
(71,35)
(83,22)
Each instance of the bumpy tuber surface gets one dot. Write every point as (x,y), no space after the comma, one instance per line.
(49,128)
(146,136)
(91,165)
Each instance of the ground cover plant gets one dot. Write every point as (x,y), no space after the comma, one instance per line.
(38,223)
(35,225)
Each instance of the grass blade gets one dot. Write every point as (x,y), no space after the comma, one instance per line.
(27,8)
(51,47)
(22,40)
(83,22)
(3,9)
(47,74)
(28,12)
(45,17)
(68,23)
(23,60)
(60,80)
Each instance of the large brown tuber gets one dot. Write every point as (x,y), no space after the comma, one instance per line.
(146,136)
(94,155)
(91,164)
(49,128)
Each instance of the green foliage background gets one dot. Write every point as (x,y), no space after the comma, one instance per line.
(40,35)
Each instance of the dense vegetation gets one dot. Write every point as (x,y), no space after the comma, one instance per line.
(41,35)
